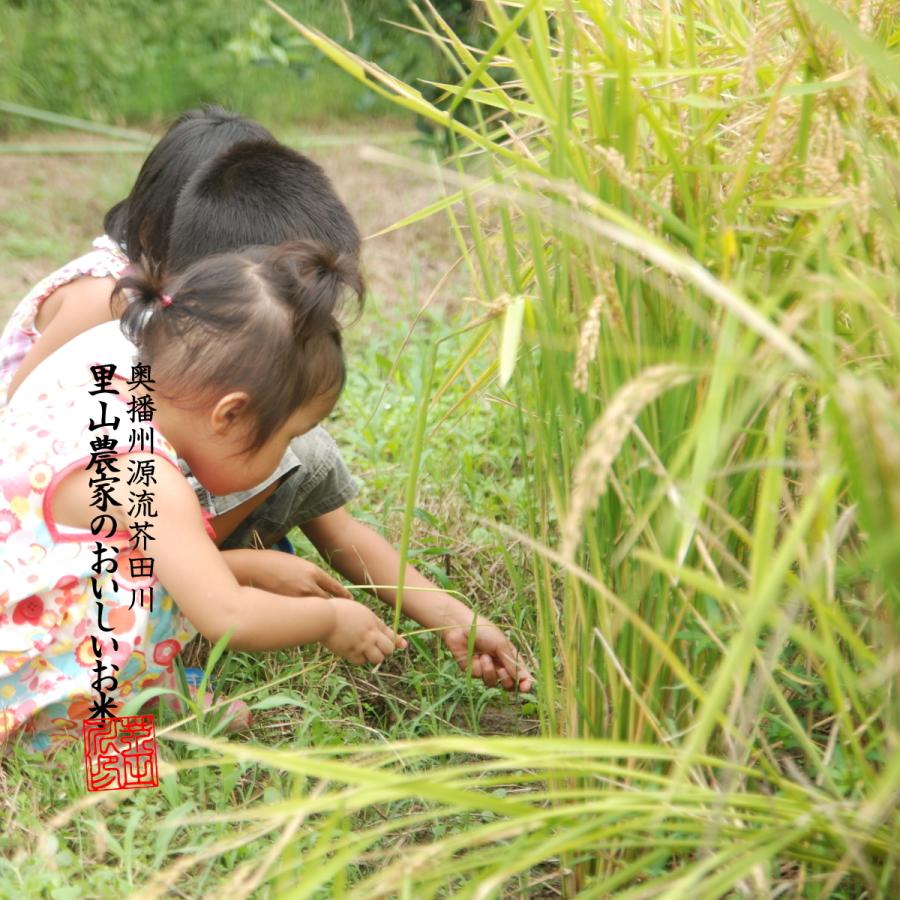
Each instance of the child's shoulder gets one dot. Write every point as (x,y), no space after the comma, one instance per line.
(316,450)
(105,259)
(69,368)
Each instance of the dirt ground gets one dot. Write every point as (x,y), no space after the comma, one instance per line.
(52,205)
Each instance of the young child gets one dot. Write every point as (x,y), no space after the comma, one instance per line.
(257,192)
(245,354)
(76,296)
(251,193)
(263,192)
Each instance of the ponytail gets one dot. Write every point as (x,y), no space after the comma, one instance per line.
(138,296)
(316,283)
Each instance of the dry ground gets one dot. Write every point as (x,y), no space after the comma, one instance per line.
(52,205)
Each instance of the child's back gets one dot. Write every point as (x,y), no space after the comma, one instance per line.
(105,263)
(46,604)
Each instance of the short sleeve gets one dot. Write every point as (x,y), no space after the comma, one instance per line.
(324,483)
(316,482)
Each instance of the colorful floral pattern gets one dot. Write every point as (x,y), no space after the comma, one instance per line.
(47,609)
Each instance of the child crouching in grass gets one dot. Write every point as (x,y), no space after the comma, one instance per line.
(251,193)
(260,192)
(228,407)
(245,353)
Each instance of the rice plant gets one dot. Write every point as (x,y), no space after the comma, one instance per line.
(684,216)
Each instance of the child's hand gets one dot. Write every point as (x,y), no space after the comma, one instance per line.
(296,577)
(493,656)
(359,635)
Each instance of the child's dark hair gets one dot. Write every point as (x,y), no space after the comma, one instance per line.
(263,321)
(258,192)
(141,221)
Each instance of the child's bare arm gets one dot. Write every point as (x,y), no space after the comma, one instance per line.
(65,314)
(194,573)
(192,569)
(364,557)
(282,573)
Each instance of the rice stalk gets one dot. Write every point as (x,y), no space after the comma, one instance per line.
(604,441)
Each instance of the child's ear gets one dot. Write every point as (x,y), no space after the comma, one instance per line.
(229,411)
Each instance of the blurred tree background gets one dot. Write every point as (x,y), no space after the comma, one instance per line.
(128,61)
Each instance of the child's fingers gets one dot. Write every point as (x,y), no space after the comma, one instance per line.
(465,664)
(396,639)
(332,586)
(384,643)
(473,664)
(505,679)
(513,664)
(488,672)
(521,677)
(374,655)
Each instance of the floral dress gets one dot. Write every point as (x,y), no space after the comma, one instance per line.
(105,260)
(48,612)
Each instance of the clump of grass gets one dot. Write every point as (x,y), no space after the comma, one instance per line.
(712,571)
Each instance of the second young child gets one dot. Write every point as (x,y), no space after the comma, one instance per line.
(263,192)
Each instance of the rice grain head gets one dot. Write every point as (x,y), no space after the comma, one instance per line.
(614,305)
(587,345)
(823,175)
(604,441)
(615,162)
(860,90)
(759,46)
(860,195)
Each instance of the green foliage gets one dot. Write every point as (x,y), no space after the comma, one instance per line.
(133,61)
(681,225)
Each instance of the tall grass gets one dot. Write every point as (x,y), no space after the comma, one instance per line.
(684,221)
(680,221)
(684,217)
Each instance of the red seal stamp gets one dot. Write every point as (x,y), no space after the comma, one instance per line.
(120,752)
